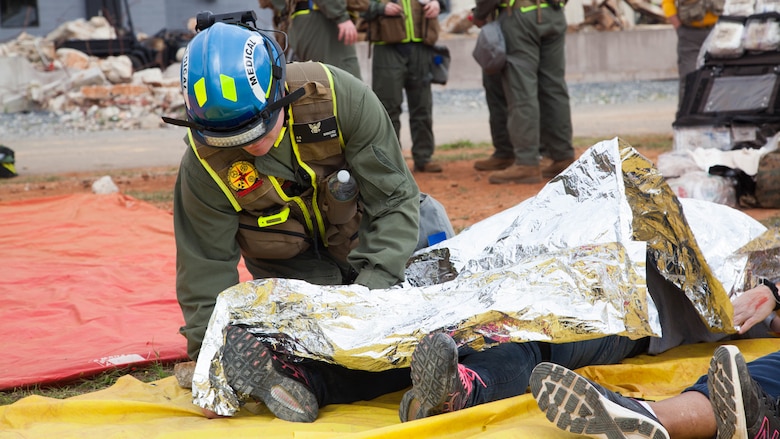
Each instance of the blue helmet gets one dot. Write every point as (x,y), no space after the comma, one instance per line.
(232,80)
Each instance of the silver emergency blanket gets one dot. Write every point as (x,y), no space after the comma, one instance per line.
(565,265)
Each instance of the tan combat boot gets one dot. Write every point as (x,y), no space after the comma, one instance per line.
(556,168)
(517,174)
(428,167)
(494,164)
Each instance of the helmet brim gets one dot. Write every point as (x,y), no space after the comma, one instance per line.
(240,137)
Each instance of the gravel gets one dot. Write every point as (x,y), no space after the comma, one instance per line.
(445,100)
(579,94)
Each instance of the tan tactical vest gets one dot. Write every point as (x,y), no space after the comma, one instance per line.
(391,30)
(690,11)
(273,224)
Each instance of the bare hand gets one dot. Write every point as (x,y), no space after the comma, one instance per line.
(432,9)
(752,306)
(210,414)
(674,20)
(393,9)
(348,32)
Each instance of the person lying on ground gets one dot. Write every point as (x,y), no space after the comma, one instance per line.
(446,378)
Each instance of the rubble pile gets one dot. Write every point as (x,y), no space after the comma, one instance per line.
(97,93)
(94,92)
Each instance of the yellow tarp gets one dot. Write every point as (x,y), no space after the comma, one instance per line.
(131,409)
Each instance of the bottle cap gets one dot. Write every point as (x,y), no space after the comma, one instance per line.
(343,176)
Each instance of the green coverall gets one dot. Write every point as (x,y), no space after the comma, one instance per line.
(205,223)
(314,36)
(538,109)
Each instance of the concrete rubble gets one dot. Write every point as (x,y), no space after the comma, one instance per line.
(94,93)
(73,85)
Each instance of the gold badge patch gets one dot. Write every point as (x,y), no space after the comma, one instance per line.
(243,177)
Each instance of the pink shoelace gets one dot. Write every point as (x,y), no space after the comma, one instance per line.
(467,378)
(457,400)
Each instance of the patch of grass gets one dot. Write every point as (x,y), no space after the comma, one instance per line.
(661,142)
(155,198)
(463,144)
(149,373)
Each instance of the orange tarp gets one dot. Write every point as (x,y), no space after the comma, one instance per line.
(88,283)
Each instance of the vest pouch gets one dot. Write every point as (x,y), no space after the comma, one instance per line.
(389,30)
(337,211)
(283,240)
(430,31)
(342,238)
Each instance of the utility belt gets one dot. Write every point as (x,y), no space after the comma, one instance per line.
(303,8)
(531,5)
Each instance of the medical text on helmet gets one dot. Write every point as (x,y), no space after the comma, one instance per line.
(185,70)
(249,65)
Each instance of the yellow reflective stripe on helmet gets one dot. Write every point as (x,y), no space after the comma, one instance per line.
(214,175)
(228,88)
(200,91)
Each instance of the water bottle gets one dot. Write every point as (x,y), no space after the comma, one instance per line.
(342,186)
(340,204)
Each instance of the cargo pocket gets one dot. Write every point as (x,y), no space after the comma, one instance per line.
(284,240)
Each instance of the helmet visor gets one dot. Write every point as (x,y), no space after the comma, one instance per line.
(240,136)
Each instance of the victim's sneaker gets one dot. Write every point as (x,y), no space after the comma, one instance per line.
(742,408)
(439,383)
(579,406)
(253,369)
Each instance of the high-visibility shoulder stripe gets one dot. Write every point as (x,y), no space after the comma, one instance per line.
(228,193)
(335,110)
(315,193)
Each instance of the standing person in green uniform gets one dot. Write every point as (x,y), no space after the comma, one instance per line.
(401,33)
(265,138)
(538,109)
(324,31)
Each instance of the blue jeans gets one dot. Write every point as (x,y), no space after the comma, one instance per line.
(505,369)
(763,370)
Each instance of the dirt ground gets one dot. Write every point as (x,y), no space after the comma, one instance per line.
(465,193)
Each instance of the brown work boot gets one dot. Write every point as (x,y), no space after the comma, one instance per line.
(517,174)
(428,167)
(556,167)
(494,163)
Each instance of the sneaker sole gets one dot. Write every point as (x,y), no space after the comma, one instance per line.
(249,369)
(725,386)
(434,360)
(574,405)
